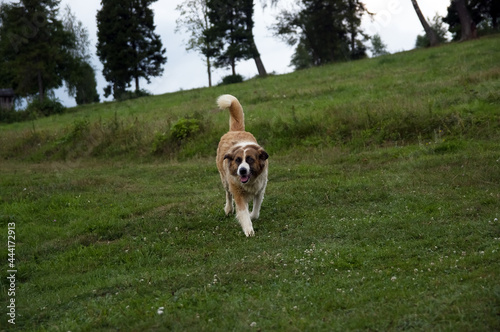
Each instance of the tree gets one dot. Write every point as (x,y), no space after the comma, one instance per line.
(485,15)
(80,79)
(194,19)
(378,47)
(34,46)
(232,32)
(468,27)
(127,45)
(431,34)
(488,12)
(328,29)
(302,58)
(438,27)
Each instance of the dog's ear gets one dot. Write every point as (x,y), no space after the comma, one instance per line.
(263,154)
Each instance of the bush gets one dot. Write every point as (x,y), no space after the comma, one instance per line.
(34,110)
(126,95)
(171,141)
(231,79)
(44,108)
(185,128)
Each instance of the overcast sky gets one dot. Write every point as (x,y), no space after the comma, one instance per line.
(395,21)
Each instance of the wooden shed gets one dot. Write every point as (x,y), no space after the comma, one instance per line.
(6,98)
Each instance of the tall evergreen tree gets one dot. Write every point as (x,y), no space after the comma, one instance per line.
(328,29)
(127,45)
(34,46)
(232,30)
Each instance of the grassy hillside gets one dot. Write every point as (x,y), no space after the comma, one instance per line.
(382,209)
(450,91)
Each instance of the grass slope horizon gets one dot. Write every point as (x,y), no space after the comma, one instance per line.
(381,212)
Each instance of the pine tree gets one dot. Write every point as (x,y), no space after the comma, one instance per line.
(34,46)
(232,32)
(328,29)
(127,45)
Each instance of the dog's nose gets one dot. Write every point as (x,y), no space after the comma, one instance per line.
(243,171)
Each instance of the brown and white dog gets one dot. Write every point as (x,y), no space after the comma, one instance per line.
(242,165)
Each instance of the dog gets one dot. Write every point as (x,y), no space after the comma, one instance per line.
(242,165)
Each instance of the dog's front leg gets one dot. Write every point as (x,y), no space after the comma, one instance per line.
(228,209)
(243,216)
(257,202)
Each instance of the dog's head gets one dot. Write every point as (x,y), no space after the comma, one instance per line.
(246,162)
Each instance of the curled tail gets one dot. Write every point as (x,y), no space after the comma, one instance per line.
(236,119)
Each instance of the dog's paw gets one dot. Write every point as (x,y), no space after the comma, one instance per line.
(249,231)
(254,215)
(228,209)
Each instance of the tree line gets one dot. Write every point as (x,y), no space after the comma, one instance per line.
(42,49)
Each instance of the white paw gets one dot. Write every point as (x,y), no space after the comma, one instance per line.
(248,231)
(228,209)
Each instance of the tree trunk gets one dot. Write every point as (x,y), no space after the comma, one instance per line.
(469,30)
(258,61)
(41,94)
(209,71)
(431,34)
(233,67)
(260,66)
(137,84)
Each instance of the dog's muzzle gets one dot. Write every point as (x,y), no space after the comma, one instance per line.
(244,174)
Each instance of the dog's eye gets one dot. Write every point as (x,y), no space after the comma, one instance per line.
(238,160)
(250,160)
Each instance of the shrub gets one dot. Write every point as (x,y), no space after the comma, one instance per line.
(231,79)
(185,128)
(44,108)
(126,95)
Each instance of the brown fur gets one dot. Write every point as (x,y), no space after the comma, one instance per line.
(239,150)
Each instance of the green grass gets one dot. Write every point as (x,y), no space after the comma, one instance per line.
(450,91)
(381,211)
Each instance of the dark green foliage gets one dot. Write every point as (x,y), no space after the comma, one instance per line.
(44,108)
(34,47)
(83,83)
(440,30)
(484,13)
(180,135)
(127,45)
(231,32)
(327,31)
(302,58)
(378,47)
(126,95)
(34,110)
(185,128)
(80,77)
(231,79)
